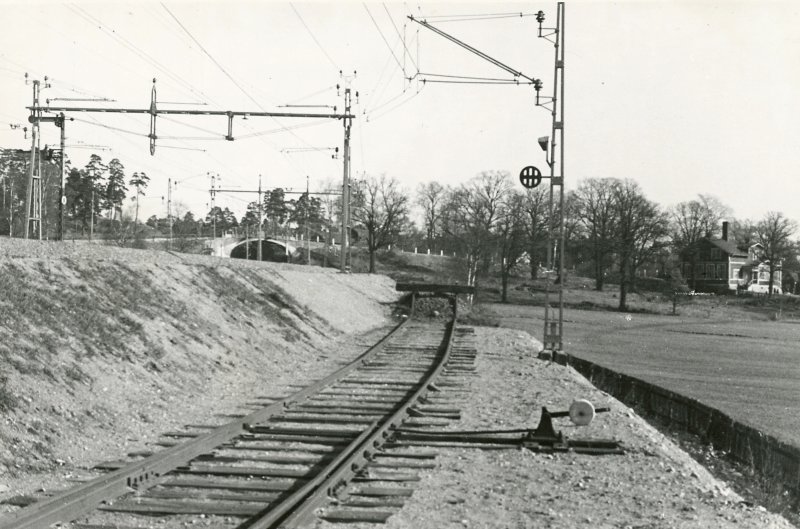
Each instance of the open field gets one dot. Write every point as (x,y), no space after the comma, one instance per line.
(747,369)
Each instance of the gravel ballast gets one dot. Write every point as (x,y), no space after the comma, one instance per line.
(195,336)
(653,485)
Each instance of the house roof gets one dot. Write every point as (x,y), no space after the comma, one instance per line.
(728,247)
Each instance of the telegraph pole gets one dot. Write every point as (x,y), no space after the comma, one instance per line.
(62,198)
(91,219)
(345,244)
(308,230)
(169,210)
(247,244)
(213,213)
(259,250)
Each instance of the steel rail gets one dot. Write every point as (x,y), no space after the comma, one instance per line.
(146,473)
(360,455)
(276,513)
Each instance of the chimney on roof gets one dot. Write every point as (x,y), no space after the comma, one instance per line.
(725,230)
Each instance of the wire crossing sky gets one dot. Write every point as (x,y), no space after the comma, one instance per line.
(683,97)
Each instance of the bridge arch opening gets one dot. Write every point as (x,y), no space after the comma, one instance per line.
(271,250)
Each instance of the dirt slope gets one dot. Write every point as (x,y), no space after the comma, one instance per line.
(102,349)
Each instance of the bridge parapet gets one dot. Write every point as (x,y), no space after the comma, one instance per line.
(434,288)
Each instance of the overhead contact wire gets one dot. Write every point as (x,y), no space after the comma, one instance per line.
(383,37)
(408,53)
(333,63)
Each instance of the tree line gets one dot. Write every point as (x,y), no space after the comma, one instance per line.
(95,190)
(612,230)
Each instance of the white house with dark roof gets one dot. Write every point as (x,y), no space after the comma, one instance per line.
(719,265)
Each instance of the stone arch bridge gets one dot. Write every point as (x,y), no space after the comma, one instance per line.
(275,250)
(240,248)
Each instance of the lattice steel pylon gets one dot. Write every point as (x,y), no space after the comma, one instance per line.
(33,195)
(554,325)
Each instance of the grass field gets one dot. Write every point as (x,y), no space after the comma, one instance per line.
(747,369)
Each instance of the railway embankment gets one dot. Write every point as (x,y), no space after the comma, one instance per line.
(775,463)
(103,348)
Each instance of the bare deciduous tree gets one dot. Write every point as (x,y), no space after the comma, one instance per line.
(774,232)
(641,229)
(593,202)
(471,213)
(430,197)
(535,210)
(382,208)
(695,219)
(744,233)
(512,237)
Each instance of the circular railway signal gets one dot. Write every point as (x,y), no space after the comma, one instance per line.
(581,412)
(530,177)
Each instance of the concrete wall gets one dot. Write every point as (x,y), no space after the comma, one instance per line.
(776,461)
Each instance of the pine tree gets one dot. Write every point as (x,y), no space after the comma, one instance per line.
(115,188)
(139,181)
(93,187)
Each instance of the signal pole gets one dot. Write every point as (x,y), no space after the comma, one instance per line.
(213,213)
(33,195)
(347,121)
(308,231)
(554,326)
(62,198)
(91,219)
(259,250)
(169,210)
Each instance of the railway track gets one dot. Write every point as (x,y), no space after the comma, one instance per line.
(329,450)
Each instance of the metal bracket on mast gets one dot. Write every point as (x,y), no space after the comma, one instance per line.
(229,137)
(554,317)
(153,112)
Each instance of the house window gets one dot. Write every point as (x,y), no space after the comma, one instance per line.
(698,270)
(710,271)
(736,273)
(715,254)
(721,272)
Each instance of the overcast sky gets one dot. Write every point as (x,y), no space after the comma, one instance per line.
(683,97)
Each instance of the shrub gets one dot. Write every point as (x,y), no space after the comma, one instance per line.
(676,289)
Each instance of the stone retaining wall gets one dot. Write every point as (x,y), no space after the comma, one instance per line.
(774,460)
